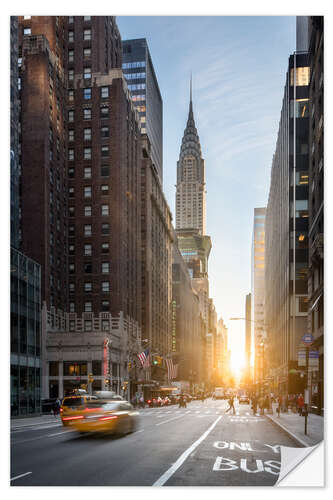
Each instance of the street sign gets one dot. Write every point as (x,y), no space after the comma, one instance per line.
(307,339)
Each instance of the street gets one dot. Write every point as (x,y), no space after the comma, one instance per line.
(200,445)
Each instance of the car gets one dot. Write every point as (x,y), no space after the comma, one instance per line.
(113,417)
(71,404)
(244,400)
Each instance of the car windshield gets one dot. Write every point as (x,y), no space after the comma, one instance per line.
(73,401)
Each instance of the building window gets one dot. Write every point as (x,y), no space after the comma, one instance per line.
(105,286)
(71,230)
(87,249)
(71,249)
(70,116)
(105,267)
(87,172)
(87,192)
(105,210)
(87,153)
(72,287)
(87,211)
(71,95)
(87,114)
(71,55)
(87,53)
(88,267)
(71,211)
(71,192)
(105,247)
(104,112)
(87,134)
(87,18)
(105,324)
(105,150)
(96,367)
(71,135)
(105,228)
(27,31)
(87,94)
(70,74)
(87,34)
(88,325)
(72,307)
(71,268)
(88,286)
(87,229)
(105,305)
(105,189)
(105,132)
(71,36)
(105,171)
(72,325)
(71,154)
(104,92)
(70,19)
(88,307)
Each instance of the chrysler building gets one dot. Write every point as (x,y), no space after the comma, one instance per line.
(190,194)
(193,242)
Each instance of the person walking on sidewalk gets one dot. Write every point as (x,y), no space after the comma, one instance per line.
(231,404)
(300,404)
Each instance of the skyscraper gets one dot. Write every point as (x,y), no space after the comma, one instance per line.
(286,235)
(194,244)
(258,285)
(142,82)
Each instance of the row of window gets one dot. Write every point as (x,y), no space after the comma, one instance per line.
(85,19)
(87,134)
(104,91)
(86,35)
(104,113)
(87,153)
(87,210)
(104,172)
(137,86)
(104,249)
(105,286)
(88,230)
(135,64)
(134,76)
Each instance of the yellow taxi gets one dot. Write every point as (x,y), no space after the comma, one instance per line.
(73,404)
(116,417)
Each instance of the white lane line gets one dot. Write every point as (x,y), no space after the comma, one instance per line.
(21,475)
(164,478)
(166,421)
(58,433)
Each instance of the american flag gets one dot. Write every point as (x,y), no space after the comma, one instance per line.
(172,369)
(144,358)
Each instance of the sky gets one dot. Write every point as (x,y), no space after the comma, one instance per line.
(239,66)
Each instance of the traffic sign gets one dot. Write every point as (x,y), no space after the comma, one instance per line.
(307,339)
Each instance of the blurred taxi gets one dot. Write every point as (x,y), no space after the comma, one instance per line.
(72,404)
(117,417)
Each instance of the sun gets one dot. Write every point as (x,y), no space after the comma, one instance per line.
(237,363)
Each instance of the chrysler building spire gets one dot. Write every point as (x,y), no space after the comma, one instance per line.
(190,195)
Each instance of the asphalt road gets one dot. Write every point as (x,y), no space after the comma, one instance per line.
(200,445)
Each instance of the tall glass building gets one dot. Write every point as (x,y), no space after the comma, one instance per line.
(25,323)
(142,83)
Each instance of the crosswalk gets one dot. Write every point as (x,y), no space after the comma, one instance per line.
(202,412)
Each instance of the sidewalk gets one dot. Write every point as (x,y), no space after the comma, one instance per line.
(293,425)
(33,420)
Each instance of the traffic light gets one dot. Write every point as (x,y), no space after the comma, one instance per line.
(129,365)
(157,360)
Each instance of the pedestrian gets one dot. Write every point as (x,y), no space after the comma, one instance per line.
(254,404)
(56,407)
(266,402)
(203,397)
(142,402)
(300,404)
(231,404)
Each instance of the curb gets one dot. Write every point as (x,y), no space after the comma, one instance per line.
(298,440)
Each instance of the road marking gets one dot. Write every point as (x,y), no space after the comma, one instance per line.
(164,478)
(58,433)
(22,475)
(166,421)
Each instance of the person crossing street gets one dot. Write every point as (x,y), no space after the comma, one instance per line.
(231,404)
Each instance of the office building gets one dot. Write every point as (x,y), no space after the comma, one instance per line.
(316,210)
(286,237)
(142,82)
